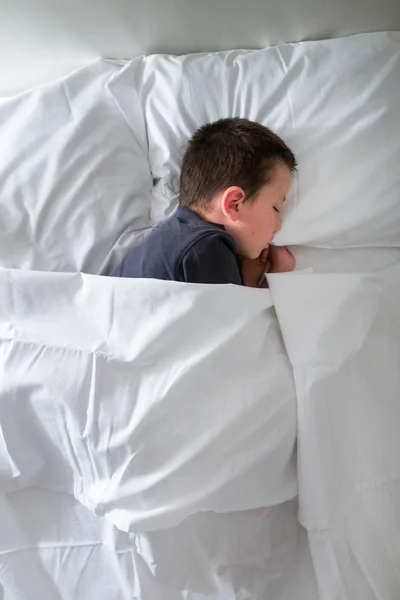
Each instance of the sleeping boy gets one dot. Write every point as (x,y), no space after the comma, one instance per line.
(235,176)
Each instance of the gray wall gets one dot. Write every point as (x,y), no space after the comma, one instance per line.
(42,39)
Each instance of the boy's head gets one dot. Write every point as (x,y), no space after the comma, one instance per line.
(237,173)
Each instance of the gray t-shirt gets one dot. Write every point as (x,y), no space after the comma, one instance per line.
(184,248)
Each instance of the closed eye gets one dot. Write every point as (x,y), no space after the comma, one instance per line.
(277,209)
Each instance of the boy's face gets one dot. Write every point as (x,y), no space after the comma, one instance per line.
(258,220)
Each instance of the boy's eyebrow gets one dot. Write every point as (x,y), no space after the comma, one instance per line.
(284,199)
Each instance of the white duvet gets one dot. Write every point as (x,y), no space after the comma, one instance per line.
(104,399)
(131,398)
(140,403)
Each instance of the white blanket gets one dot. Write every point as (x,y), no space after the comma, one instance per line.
(94,368)
(54,548)
(147,401)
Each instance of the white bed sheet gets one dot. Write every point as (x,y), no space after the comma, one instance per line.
(342,334)
(346,260)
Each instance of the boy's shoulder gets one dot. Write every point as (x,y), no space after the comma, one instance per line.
(188,230)
(207,253)
(184,248)
(194,225)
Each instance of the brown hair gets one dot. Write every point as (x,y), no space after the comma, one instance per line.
(230,152)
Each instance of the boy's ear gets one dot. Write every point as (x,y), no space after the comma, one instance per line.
(231,201)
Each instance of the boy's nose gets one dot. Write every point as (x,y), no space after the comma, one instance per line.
(277,223)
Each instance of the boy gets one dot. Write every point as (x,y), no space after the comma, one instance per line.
(235,176)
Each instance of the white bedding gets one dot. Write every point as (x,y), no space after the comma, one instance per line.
(145,427)
(74,182)
(131,398)
(342,334)
(52,547)
(79,155)
(140,403)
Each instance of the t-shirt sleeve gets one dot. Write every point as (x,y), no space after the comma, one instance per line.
(210,260)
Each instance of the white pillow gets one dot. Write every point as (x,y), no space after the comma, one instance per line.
(335,102)
(74,182)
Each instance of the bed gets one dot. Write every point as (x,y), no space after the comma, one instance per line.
(165,441)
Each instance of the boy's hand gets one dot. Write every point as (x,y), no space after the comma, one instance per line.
(281,259)
(253,270)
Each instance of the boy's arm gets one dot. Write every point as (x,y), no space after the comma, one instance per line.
(209,260)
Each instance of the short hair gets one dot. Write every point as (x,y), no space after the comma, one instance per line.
(230,152)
